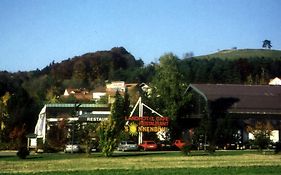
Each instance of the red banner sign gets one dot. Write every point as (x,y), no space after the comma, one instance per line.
(147,124)
(150,120)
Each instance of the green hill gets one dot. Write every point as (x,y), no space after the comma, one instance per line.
(244,53)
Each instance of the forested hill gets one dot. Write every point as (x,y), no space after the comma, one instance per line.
(86,71)
(101,65)
(244,53)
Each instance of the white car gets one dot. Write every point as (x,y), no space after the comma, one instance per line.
(72,148)
(128,146)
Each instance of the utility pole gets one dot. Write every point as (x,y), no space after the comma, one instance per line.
(140,115)
(72,137)
(76,108)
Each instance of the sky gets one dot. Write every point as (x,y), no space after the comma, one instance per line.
(33,33)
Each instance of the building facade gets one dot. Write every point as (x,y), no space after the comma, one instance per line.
(51,114)
(247,104)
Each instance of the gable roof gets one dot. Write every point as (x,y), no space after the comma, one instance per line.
(80,94)
(252,99)
(54,110)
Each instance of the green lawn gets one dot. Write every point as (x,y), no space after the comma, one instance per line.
(244,53)
(222,162)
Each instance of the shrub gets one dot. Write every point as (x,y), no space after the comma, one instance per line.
(22,152)
(186,149)
(261,131)
(7,146)
(211,149)
(262,139)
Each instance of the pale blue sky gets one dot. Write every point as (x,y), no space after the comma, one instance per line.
(33,33)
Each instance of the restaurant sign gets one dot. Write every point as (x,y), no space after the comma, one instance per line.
(146,124)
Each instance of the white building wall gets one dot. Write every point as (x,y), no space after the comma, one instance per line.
(274,137)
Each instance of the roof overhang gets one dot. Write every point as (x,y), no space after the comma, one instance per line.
(255,99)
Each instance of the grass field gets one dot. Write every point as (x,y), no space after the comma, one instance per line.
(244,53)
(222,162)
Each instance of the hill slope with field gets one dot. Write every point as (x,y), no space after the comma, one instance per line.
(244,53)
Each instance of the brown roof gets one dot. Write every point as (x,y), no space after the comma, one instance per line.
(79,94)
(259,99)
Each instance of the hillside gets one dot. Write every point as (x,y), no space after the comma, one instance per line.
(244,53)
(97,65)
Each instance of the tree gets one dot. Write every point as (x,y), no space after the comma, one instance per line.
(168,89)
(109,131)
(126,106)
(4,116)
(87,134)
(79,71)
(226,132)
(108,141)
(266,44)
(18,136)
(249,80)
(188,55)
(217,111)
(21,109)
(51,97)
(57,135)
(201,70)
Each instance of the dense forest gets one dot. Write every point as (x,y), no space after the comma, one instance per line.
(24,93)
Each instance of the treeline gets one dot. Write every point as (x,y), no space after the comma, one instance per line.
(18,110)
(233,71)
(24,93)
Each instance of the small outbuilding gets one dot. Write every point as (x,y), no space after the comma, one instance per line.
(31,141)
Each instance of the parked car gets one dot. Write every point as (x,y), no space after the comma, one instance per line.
(179,144)
(164,145)
(72,148)
(94,145)
(148,145)
(128,146)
